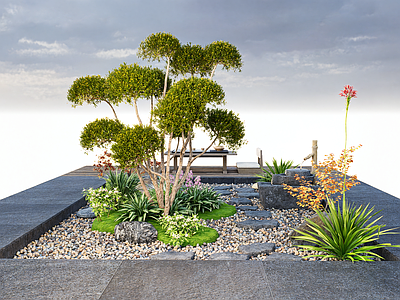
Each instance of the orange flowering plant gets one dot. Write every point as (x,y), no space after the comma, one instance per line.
(347,231)
(329,181)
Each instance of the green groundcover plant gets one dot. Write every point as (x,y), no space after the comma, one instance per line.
(349,232)
(179,227)
(274,169)
(203,235)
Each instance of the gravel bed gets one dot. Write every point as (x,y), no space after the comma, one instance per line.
(74,239)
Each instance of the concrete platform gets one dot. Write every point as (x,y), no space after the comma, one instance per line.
(24,215)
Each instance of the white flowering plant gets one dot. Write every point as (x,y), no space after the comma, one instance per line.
(180,228)
(102,200)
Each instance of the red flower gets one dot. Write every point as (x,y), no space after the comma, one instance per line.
(348,92)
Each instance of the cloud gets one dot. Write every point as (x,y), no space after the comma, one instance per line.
(44,48)
(116,53)
(11,10)
(360,38)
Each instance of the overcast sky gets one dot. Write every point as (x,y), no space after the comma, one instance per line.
(297,54)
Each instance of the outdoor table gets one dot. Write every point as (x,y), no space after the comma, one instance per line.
(209,153)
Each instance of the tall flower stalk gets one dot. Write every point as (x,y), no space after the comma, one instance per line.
(349,93)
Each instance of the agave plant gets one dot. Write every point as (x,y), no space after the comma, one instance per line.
(274,169)
(345,234)
(139,208)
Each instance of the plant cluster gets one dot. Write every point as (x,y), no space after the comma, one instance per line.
(180,228)
(138,208)
(274,169)
(104,163)
(103,200)
(329,176)
(346,230)
(198,199)
(189,181)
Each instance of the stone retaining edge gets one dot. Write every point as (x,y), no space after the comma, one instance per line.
(34,234)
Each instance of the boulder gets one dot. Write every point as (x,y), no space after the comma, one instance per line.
(257,248)
(135,232)
(222,187)
(86,213)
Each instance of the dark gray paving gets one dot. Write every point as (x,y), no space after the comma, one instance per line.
(25,216)
(146,279)
(388,205)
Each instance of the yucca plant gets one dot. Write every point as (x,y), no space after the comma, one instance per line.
(126,185)
(345,233)
(274,169)
(139,208)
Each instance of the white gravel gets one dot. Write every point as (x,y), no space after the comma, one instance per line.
(74,239)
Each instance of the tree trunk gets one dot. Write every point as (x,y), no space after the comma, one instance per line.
(112,109)
(137,112)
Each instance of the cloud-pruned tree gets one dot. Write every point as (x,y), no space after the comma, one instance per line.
(188,104)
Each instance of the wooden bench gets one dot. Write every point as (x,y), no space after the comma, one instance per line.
(251,167)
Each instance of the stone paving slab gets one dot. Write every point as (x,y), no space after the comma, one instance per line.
(146,279)
(55,279)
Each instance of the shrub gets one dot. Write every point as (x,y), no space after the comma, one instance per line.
(103,200)
(127,185)
(180,228)
(274,169)
(138,208)
(198,199)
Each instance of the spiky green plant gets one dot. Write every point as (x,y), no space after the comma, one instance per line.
(126,185)
(345,233)
(139,208)
(274,169)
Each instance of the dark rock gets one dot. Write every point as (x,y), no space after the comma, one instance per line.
(257,248)
(228,256)
(257,224)
(258,214)
(223,193)
(245,190)
(289,177)
(282,256)
(222,187)
(240,201)
(135,232)
(173,255)
(248,195)
(246,207)
(86,213)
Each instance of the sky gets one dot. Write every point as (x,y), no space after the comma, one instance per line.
(297,55)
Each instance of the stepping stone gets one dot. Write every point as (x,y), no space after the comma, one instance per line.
(86,213)
(228,256)
(283,256)
(247,207)
(240,201)
(257,224)
(248,195)
(258,214)
(245,190)
(222,187)
(223,193)
(173,255)
(257,248)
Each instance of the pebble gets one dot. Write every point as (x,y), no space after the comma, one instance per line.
(74,239)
